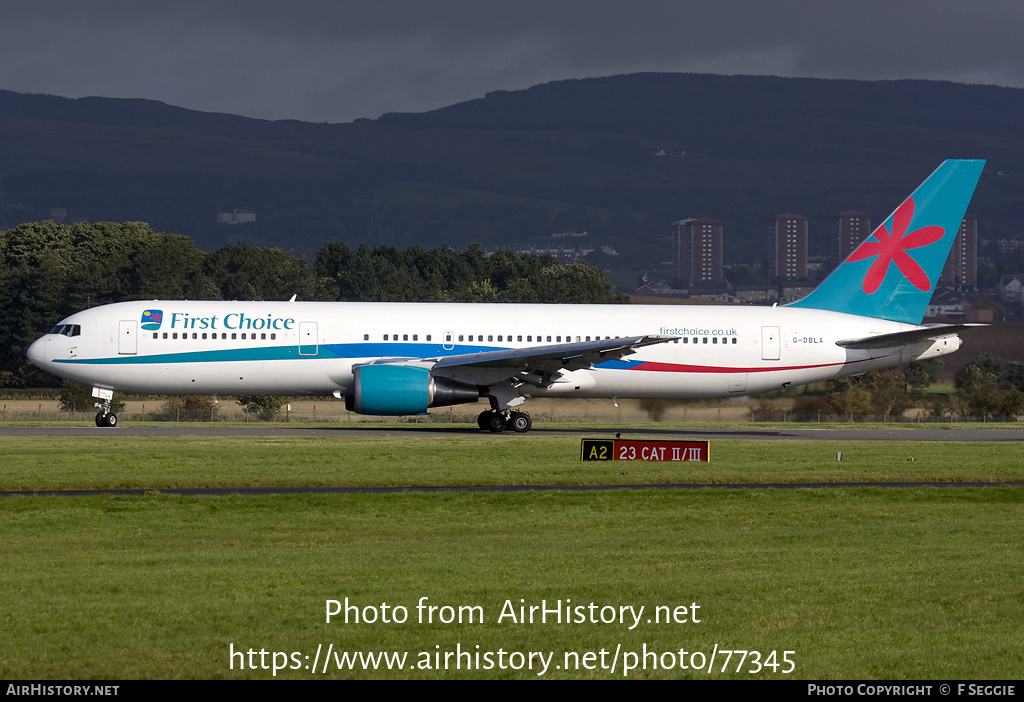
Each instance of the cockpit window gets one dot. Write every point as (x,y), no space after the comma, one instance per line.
(67,329)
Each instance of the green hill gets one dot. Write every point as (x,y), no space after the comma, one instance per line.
(619,157)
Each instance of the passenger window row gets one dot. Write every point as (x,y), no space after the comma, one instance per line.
(541,338)
(698,339)
(203,335)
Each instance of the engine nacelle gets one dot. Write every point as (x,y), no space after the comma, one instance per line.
(392,389)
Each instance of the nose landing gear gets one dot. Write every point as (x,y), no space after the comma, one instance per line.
(106,419)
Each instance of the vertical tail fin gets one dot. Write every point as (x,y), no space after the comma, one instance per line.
(893,273)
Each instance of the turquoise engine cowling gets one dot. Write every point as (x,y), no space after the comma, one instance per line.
(393,389)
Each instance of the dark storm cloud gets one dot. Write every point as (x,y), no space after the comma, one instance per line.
(334,61)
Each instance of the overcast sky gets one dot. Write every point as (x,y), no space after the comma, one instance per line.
(336,60)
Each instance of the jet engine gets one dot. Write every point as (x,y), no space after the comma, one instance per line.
(392,389)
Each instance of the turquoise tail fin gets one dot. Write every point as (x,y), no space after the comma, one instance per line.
(893,272)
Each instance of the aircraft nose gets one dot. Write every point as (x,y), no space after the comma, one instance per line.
(37,352)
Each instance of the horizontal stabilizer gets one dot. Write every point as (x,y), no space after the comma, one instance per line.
(884,341)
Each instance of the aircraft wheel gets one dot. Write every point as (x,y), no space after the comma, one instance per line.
(496,422)
(520,422)
(99,419)
(110,420)
(483,419)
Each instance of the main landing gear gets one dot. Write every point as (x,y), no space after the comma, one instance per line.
(497,421)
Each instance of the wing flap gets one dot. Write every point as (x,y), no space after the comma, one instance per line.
(572,356)
(882,341)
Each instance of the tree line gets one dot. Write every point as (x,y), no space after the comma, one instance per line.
(50,270)
(987,387)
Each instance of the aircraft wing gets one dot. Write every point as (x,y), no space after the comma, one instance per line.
(882,341)
(554,357)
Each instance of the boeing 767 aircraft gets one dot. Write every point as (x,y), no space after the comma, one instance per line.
(403,358)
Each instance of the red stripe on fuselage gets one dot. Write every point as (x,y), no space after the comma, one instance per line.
(683,368)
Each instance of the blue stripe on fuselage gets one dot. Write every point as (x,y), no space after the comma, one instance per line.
(280,353)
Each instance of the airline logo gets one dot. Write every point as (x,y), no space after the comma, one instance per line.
(233,321)
(892,249)
(152,319)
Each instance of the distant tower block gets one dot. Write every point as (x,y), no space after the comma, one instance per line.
(849,229)
(699,244)
(787,241)
(961,269)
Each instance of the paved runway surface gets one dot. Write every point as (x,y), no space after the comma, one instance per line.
(944,433)
(488,488)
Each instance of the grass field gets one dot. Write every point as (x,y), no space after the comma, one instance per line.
(417,458)
(855,582)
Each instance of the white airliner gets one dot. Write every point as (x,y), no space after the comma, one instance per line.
(403,358)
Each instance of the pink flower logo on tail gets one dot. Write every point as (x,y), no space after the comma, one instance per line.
(892,248)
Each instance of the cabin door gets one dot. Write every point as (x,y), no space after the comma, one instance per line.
(771,343)
(308,345)
(128,337)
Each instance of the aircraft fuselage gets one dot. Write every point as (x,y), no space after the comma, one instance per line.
(309,348)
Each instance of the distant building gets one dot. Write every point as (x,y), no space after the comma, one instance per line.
(1011,289)
(712,291)
(849,229)
(699,245)
(787,247)
(1008,245)
(985,316)
(563,253)
(795,291)
(946,303)
(961,269)
(818,264)
(236,217)
(757,294)
(659,290)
